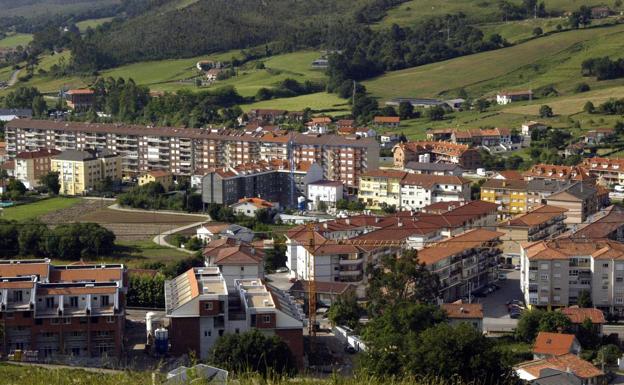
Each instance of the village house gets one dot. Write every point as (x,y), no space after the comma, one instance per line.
(559,368)
(609,171)
(600,12)
(578,316)
(528,127)
(555,344)
(235,260)
(458,312)
(598,136)
(557,172)
(30,166)
(80,99)
(580,199)
(328,192)
(505,97)
(8,114)
(165,178)
(214,230)
(249,206)
(439,152)
(387,121)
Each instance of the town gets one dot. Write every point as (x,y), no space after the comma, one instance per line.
(363,191)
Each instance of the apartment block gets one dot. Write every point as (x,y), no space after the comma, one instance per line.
(541,223)
(189,151)
(30,166)
(557,173)
(235,259)
(74,310)
(410,191)
(580,199)
(438,152)
(273,181)
(201,309)
(608,171)
(463,263)
(81,171)
(555,272)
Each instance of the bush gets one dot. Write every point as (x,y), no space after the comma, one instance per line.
(582,87)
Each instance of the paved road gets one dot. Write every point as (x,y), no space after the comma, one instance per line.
(495,304)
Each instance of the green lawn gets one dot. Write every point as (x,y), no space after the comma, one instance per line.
(319,102)
(36,209)
(92,23)
(552,59)
(16,39)
(5,73)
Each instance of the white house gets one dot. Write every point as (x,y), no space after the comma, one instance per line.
(249,206)
(365,132)
(420,190)
(235,260)
(508,97)
(211,231)
(327,191)
(528,127)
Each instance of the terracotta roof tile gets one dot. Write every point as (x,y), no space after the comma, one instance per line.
(553,343)
(577,315)
(535,217)
(563,363)
(463,310)
(448,247)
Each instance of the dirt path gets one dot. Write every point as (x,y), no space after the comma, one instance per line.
(13,79)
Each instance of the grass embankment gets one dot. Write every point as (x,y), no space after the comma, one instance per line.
(92,23)
(13,40)
(36,209)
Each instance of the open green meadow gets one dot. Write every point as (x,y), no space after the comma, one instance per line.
(321,102)
(16,39)
(38,208)
(551,59)
(92,23)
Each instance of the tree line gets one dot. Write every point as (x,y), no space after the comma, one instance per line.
(603,68)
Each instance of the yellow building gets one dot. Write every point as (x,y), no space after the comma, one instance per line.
(381,186)
(509,195)
(165,178)
(80,171)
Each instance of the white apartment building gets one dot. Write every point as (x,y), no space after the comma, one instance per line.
(326,191)
(420,190)
(555,272)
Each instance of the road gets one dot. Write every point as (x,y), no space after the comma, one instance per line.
(13,79)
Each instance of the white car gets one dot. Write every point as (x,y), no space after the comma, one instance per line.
(619,188)
(282,270)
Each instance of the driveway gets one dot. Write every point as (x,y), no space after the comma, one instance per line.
(496,317)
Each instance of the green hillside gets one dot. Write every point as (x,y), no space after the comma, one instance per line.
(479,11)
(13,40)
(34,8)
(92,23)
(553,59)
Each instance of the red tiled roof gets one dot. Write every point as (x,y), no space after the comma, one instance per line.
(387,119)
(563,363)
(88,273)
(553,343)
(159,173)
(83,91)
(463,310)
(24,269)
(228,251)
(448,247)
(43,153)
(552,171)
(535,217)
(428,180)
(578,315)
(258,202)
(564,248)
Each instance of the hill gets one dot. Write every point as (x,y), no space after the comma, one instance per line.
(36,8)
(554,59)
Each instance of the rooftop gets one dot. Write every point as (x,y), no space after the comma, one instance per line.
(196,282)
(578,315)
(564,363)
(463,310)
(424,166)
(553,344)
(564,248)
(468,240)
(43,153)
(535,217)
(601,224)
(228,251)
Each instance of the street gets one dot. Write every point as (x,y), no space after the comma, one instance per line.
(496,317)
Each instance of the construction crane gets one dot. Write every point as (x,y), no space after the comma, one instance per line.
(311,271)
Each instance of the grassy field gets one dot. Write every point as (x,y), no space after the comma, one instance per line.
(552,59)
(31,375)
(478,11)
(16,39)
(330,104)
(39,208)
(92,23)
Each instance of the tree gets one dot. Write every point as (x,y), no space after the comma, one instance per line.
(15,190)
(589,107)
(587,335)
(608,355)
(396,280)
(50,182)
(456,351)
(482,105)
(528,325)
(39,106)
(264,216)
(345,311)
(253,351)
(545,111)
(584,299)
(436,113)
(406,110)
(276,257)
(554,321)
(537,31)
(582,87)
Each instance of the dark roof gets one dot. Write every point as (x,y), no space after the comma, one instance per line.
(543,185)
(327,183)
(578,190)
(432,166)
(506,184)
(77,155)
(601,224)
(23,112)
(43,153)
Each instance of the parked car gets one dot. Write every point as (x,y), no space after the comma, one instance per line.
(515,314)
(350,349)
(502,276)
(282,270)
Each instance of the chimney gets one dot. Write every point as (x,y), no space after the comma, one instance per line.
(399,223)
(348,221)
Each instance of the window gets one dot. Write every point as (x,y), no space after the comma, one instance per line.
(49,302)
(557,264)
(236,331)
(105,300)
(110,319)
(266,319)
(10,315)
(67,321)
(543,277)
(605,265)
(17,296)
(242,268)
(544,266)
(221,333)
(55,321)
(574,273)
(208,306)
(73,301)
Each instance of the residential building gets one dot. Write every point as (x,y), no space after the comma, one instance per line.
(235,260)
(365,132)
(191,151)
(439,152)
(80,99)
(557,173)
(416,102)
(434,168)
(30,166)
(580,199)
(8,114)
(387,121)
(463,263)
(420,190)
(57,310)
(164,177)
(508,175)
(528,127)
(598,136)
(249,206)
(609,171)
(541,223)
(328,192)
(533,370)
(267,116)
(80,171)
(211,231)
(509,195)
(578,316)
(458,312)
(505,97)
(600,12)
(273,181)
(555,344)
(554,273)
(381,188)
(409,191)
(489,138)
(605,224)
(319,125)
(201,309)
(388,139)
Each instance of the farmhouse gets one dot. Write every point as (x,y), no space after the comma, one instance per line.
(508,97)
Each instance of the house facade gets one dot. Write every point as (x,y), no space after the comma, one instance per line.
(328,192)
(30,166)
(439,152)
(80,171)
